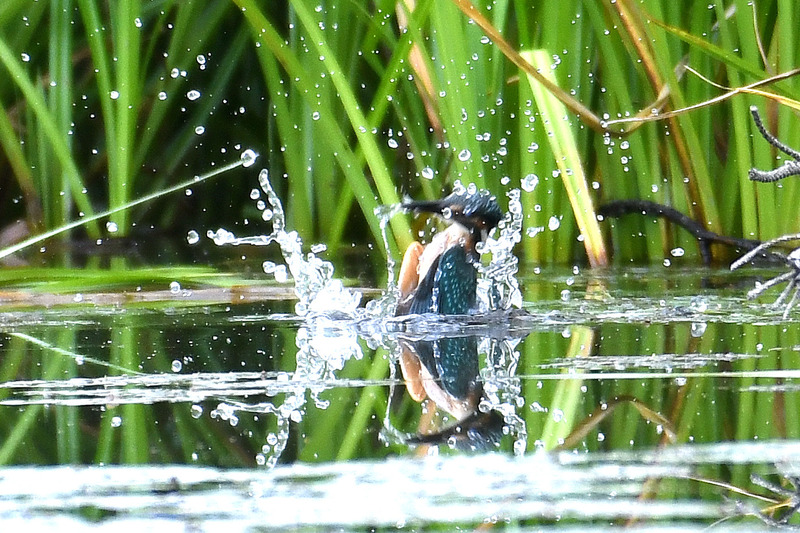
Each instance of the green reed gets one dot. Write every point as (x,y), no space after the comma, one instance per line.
(353,106)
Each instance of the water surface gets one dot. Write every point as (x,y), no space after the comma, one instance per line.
(645,396)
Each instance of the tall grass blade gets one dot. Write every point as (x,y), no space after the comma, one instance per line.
(5,252)
(554,117)
(54,136)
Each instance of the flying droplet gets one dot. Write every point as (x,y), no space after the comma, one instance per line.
(530,182)
(248,158)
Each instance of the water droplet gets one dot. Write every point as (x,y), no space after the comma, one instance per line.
(464,155)
(192,237)
(197,411)
(199,130)
(25,57)
(677,252)
(315,115)
(114,95)
(193,95)
(427,173)
(553,224)
(392,143)
(174,287)
(176,365)
(138,22)
(111,227)
(280,273)
(698,329)
(201,59)
(532,231)
(162,96)
(530,182)
(116,421)
(248,158)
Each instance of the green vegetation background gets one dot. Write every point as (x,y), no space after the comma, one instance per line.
(354,104)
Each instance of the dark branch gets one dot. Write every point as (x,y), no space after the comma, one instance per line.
(789,168)
(704,237)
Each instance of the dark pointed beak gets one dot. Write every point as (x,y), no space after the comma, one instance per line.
(427,206)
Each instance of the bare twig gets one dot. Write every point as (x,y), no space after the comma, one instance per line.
(789,167)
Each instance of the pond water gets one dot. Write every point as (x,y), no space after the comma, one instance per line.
(656,397)
(649,397)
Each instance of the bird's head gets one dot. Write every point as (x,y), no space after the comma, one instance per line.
(477,211)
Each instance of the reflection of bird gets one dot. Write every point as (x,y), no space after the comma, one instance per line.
(440,277)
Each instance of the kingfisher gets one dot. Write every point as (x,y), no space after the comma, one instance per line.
(441,277)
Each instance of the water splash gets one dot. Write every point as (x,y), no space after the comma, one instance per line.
(386,304)
(316,289)
(324,344)
(502,389)
(498,288)
(333,323)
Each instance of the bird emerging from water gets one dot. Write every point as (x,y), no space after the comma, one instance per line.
(441,277)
